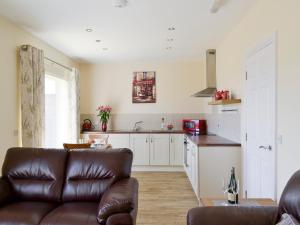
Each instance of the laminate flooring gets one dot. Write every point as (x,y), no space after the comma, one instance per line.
(164,198)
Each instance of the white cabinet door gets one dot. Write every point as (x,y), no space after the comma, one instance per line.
(159,149)
(189,160)
(139,144)
(194,168)
(176,149)
(119,140)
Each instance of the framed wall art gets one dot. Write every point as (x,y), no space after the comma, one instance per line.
(144,87)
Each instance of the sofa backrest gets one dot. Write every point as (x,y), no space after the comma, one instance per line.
(90,173)
(290,198)
(35,174)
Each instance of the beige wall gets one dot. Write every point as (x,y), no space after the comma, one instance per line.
(112,84)
(11,37)
(259,24)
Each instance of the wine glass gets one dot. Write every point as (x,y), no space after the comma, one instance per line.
(225,188)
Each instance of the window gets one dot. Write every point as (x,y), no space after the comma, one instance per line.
(57,113)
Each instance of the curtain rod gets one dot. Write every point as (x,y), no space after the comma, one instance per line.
(66,67)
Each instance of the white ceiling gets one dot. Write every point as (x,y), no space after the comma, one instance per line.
(136,32)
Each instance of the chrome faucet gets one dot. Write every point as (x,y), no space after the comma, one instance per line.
(136,125)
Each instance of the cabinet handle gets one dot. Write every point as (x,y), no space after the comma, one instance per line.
(146,140)
(151,140)
(171,140)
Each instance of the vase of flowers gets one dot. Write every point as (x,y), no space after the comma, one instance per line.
(104,113)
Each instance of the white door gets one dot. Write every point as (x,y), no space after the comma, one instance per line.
(260,122)
(119,140)
(176,149)
(159,149)
(139,144)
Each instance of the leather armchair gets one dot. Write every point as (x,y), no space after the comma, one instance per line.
(5,190)
(232,215)
(241,215)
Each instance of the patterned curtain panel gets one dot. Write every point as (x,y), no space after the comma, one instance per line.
(74,106)
(32,96)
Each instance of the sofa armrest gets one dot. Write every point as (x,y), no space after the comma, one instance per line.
(5,192)
(121,198)
(232,215)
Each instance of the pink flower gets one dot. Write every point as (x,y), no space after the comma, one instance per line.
(103,108)
(104,112)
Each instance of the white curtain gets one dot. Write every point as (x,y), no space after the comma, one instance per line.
(74,105)
(32,85)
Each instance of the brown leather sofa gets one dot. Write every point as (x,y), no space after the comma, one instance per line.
(58,187)
(289,203)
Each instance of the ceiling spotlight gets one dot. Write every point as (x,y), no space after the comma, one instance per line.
(88,30)
(120,3)
(170,39)
(171,28)
(98,40)
(169,48)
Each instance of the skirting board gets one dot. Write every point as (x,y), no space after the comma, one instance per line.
(158,168)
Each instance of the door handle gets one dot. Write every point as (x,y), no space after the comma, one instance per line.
(269,147)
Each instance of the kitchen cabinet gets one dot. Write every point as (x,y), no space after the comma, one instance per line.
(140,145)
(159,149)
(194,168)
(176,149)
(207,166)
(119,140)
(192,164)
(151,151)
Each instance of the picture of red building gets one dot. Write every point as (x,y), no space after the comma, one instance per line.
(143,87)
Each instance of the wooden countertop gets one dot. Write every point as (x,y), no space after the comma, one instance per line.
(211,140)
(135,132)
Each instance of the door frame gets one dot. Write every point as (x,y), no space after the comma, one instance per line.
(272,40)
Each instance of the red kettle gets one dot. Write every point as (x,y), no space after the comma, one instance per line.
(87,125)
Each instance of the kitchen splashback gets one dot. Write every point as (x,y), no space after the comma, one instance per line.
(225,125)
(150,121)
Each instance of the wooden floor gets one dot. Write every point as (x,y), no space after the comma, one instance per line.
(164,198)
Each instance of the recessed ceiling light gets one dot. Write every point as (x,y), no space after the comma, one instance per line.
(120,3)
(169,48)
(170,39)
(89,30)
(104,49)
(98,40)
(171,28)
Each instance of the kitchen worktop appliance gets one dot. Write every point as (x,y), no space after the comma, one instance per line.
(194,126)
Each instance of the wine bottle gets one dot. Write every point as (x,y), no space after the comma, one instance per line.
(232,193)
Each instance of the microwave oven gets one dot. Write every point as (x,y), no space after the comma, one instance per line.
(194,126)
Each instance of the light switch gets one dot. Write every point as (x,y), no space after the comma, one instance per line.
(16,132)
(279,139)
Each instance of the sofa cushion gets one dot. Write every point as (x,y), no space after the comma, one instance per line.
(75,213)
(24,213)
(35,174)
(90,173)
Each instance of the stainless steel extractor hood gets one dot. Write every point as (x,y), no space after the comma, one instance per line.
(210,89)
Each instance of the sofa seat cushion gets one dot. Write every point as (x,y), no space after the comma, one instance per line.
(76,213)
(24,213)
